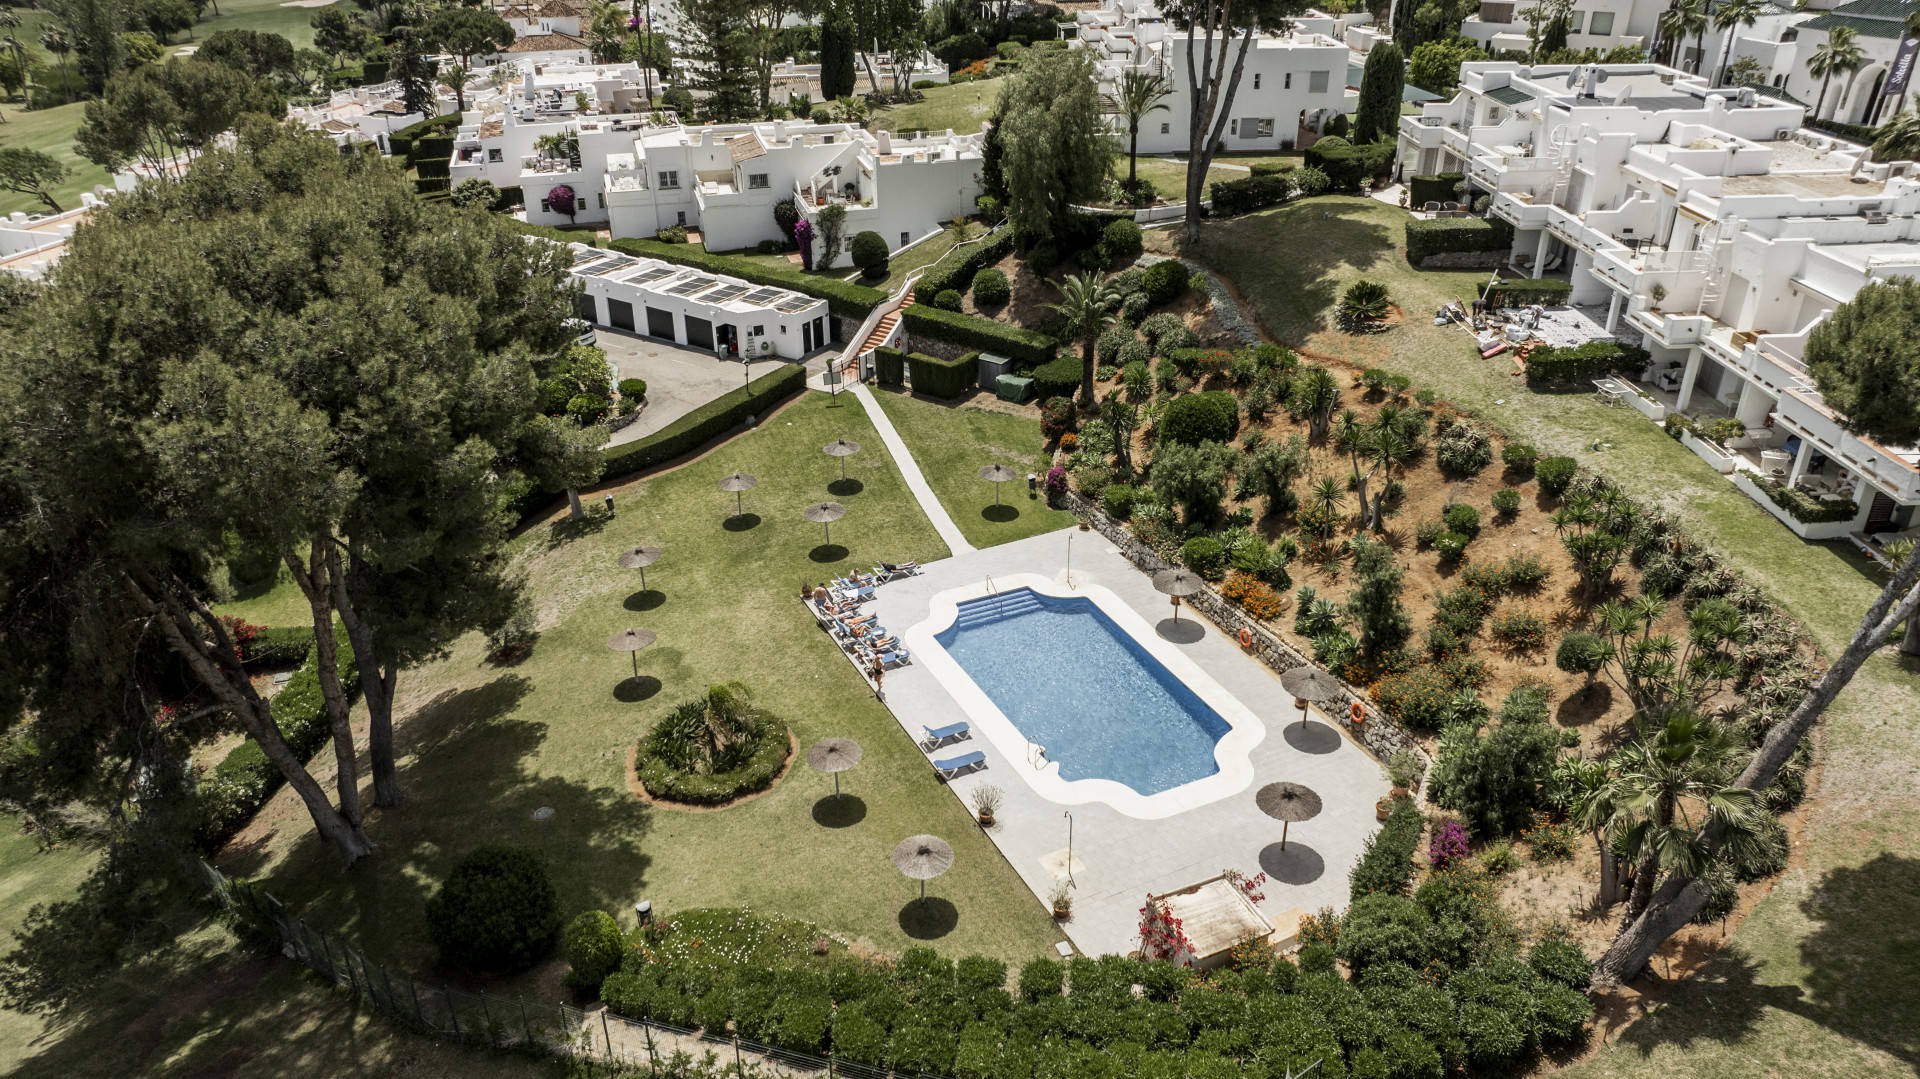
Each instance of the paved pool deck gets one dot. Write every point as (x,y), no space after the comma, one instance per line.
(1117,858)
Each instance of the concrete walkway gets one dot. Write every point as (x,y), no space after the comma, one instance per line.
(917,483)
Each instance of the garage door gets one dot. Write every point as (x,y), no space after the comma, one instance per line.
(699,332)
(620,313)
(585,307)
(660,323)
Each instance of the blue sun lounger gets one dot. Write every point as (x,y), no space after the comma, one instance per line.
(935,736)
(965,762)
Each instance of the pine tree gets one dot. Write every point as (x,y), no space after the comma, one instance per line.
(1380,89)
(716,48)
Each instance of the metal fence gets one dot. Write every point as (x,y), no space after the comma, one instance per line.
(560,1030)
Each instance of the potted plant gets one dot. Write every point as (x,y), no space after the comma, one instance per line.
(1062,899)
(1657,293)
(1402,767)
(986,799)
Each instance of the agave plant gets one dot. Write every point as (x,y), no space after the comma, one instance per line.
(1364,303)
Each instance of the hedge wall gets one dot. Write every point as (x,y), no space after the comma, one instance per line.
(1347,167)
(769,756)
(936,377)
(432,185)
(957,273)
(1445,234)
(400,143)
(986,335)
(709,421)
(889,365)
(1386,863)
(279,646)
(1549,291)
(852,301)
(1803,507)
(1058,377)
(1437,188)
(1552,366)
(433,167)
(1242,196)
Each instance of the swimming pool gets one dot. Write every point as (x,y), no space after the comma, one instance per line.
(1068,678)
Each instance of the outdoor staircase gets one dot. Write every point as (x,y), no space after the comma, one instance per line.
(883,330)
(997,607)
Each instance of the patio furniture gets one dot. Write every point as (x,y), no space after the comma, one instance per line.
(1286,803)
(825,513)
(935,736)
(834,755)
(1309,684)
(997,475)
(953,767)
(922,858)
(639,558)
(1611,390)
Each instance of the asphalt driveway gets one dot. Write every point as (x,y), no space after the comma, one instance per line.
(679,379)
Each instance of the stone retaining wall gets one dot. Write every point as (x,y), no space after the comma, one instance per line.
(1382,735)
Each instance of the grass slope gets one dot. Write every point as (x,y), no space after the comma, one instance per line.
(951,444)
(962,108)
(1820,980)
(483,747)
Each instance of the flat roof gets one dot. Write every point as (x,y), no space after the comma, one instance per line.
(1826,186)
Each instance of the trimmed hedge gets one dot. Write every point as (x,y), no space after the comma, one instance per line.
(1445,234)
(1561,366)
(434,167)
(431,185)
(957,272)
(986,335)
(1804,507)
(1547,291)
(1436,188)
(851,301)
(566,234)
(1059,377)
(1232,197)
(709,421)
(280,646)
(1347,167)
(431,148)
(769,756)
(936,377)
(1386,863)
(889,365)
(401,143)
(1194,418)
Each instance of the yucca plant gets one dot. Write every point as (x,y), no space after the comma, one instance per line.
(1364,303)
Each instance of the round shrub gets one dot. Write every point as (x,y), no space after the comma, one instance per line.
(496,911)
(633,388)
(1043,258)
(1562,961)
(1464,450)
(1200,417)
(867,249)
(1450,545)
(1384,928)
(1555,473)
(1506,502)
(1134,307)
(1519,458)
(1165,282)
(1311,180)
(595,947)
(1133,352)
(990,288)
(947,300)
(1523,630)
(586,408)
(1107,346)
(1462,518)
(1118,499)
(1121,238)
(1204,555)
(822,116)
(1178,339)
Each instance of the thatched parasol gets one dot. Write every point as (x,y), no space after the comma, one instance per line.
(1309,684)
(834,755)
(825,513)
(735,483)
(1177,583)
(997,475)
(1286,803)
(639,558)
(922,858)
(632,640)
(843,449)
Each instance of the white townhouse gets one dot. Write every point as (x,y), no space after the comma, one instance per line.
(696,308)
(1710,224)
(30,244)
(1293,84)
(1785,48)
(1594,24)
(364,114)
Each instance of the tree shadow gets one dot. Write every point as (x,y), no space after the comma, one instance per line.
(828,552)
(839,811)
(929,919)
(1311,737)
(645,600)
(1585,706)
(633,690)
(741,522)
(566,529)
(848,486)
(1184,631)
(1298,864)
(1001,513)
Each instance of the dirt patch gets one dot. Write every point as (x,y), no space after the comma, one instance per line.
(639,789)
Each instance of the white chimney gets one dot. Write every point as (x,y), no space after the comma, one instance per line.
(528,86)
(886,142)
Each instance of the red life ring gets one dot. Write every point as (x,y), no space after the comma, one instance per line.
(1357,712)
(1246,637)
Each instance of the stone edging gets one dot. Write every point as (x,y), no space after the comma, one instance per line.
(1380,734)
(1224,308)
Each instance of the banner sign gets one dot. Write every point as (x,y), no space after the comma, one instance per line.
(1902,68)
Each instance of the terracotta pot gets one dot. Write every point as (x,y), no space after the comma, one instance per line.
(1399,793)
(1381,809)
(1084,526)
(986,820)
(1062,913)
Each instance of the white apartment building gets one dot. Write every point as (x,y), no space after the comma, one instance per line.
(30,244)
(1786,45)
(1292,85)
(1751,229)
(1594,24)
(545,31)
(695,308)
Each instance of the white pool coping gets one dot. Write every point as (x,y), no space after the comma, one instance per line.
(1231,753)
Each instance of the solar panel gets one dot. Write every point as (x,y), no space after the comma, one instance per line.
(588,254)
(724,293)
(763,297)
(689,287)
(795,303)
(617,262)
(651,273)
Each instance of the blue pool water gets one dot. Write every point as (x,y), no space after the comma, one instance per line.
(1073,681)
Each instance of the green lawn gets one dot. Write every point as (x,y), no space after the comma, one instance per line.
(483,747)
(952,444)
(1821,979)
(961,108)
(1169,178)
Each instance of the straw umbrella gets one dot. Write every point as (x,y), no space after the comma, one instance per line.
(834,755)
(997,475)
(1177,583)
(922,858)
(736,483)
(632,640)
(1286,803)
(825,513)
(1309,684)
(842,449)
(639,558)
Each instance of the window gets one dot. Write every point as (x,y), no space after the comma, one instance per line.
(826,140)
(493,155)
(1602,23)
(1233,127)
(758,330)
(756,181)
(544,208)
(669,181)
(600,200)
(1575,21)
(1317,82)
(1256,80)
(905,239)
(680,217)
(1286,81)
(1262,129)
(1166,128)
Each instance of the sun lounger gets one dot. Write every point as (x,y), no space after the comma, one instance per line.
(965,762)
(936,736)
(887,571)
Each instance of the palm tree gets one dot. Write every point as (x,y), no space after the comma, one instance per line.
(1664,789)
(1839,53)
(1327,495)
(1899,139)
(1087,300)
(1348,434)
(1387,446)
(1138,95)
(1685,17)
(1729,14)
(454,77)
(1693,16)
(54,40)
(728,721)
(1316,394)
(606,33)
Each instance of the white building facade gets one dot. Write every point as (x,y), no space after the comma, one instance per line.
(697,309)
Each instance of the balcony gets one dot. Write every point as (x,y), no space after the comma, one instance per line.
(1894,470)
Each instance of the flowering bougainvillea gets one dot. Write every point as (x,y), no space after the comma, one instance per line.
(1056,483)
(1449,844)
(803,235)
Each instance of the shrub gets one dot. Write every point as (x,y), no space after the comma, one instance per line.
(702,424)
(962,267)
(1041,978)
(1550,842)
(1057,417)
(1803,507)
(1487,578)
(1059,377)
(973,332)
(1427,531)
(867,250)
(1165,282)
(1561,960)
(1106,348)
(1523,572)
(634,388)
(1448,234)
(990,288)
(1195,418)
(1384,928)
(1363,303)
(1436,188)
(1524,631)
(1447,845)
(1311,180)
(1386,862)
(595,947)
(1494,781)
(1253,595)
(1348,167)
(1462,518)
(1421,697)
(1121,238)
(672,234)
(1464,449)
(936,377)
(496,911)
(1579,365)
(1506,502)
(1233,197)
(947,300)
(1450,545)
(1205,556)
(1555,474)
(1519,458)
(1118,499)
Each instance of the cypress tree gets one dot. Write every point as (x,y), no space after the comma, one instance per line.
(1374,606)
(836,58)
(1380,89)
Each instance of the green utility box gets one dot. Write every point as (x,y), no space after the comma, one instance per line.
(1013,388)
